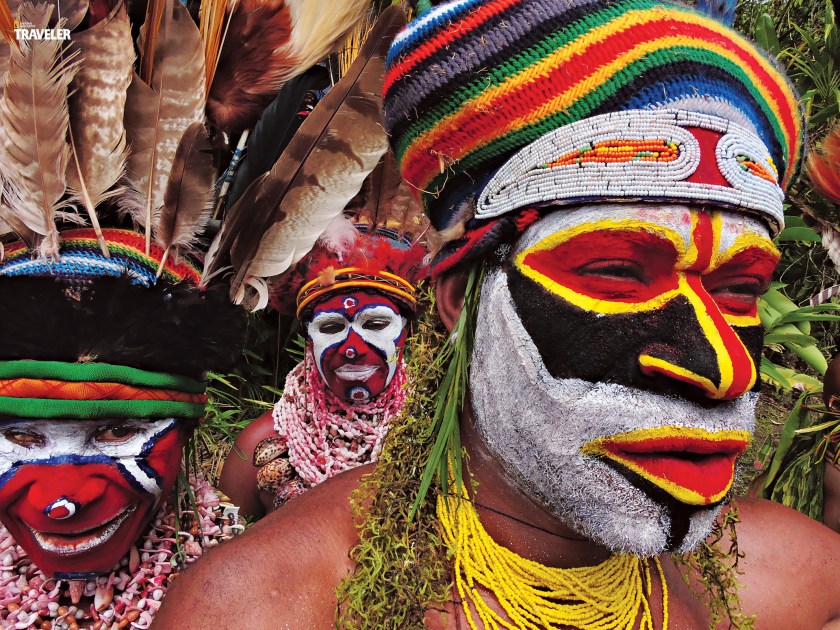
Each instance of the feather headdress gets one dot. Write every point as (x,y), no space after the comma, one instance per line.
(96,131)
(269,42)
(283,212)
(109,160)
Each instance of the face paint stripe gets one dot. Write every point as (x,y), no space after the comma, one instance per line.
(652,365)
(702,242)
(736,366)
(702,480)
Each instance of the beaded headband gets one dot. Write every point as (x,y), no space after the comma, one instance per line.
(472,83)
(648,155)
(356,278)
(379,259)
(81,258)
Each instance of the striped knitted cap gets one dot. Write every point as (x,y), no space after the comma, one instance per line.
(82,259)
(495,106)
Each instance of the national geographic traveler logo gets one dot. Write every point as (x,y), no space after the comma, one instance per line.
(25,31)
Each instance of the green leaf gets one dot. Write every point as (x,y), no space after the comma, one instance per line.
(770,371)
(791,221)
(765,35)
(787,337)
(794,422)
(796,316)
(798,234)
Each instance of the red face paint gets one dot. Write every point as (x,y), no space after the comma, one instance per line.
(357,340)
(703,275)
(78,497)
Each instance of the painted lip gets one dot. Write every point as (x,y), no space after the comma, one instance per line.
(356,372)
(74,543)
(694,466)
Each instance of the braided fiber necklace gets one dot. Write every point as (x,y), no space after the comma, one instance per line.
(610,595)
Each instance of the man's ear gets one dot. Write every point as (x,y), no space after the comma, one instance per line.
(449,296)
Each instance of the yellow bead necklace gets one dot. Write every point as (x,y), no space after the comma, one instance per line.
(610,595)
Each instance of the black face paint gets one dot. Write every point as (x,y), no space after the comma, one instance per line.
(574,343)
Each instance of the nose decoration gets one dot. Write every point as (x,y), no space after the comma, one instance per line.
(350,353)
(61,509)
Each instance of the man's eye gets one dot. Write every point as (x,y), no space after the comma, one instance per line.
(376,323)
(620,270)
(26,439)
(330,328)
(743,291)
(116,434)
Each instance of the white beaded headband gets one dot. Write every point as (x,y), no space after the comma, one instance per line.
(641,155)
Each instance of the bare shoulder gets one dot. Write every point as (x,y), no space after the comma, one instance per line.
(281,573)
(791,565)
(239,474)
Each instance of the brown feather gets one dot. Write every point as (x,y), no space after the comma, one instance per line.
(188,201)
(13,6)
(34,121)
(282,214)
(212,18)
(10,224)
(253,64)
(267,43)
(158,113)
(97,106)
(7,22)
(73,11)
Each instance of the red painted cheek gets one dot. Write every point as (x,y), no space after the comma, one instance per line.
(614,265)
(354,351)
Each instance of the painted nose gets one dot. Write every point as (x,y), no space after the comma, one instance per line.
(728,373)
(61,509)
(61,503)
(353,346)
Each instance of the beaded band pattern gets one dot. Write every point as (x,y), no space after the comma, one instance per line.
(602,158)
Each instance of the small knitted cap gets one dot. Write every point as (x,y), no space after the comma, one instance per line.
(495,106)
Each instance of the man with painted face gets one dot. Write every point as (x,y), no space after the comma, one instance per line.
(101,384)
(609,177)
(105,335)
(354,302)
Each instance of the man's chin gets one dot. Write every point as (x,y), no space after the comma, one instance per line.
(625,518)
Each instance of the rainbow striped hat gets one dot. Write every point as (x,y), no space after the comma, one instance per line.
(498,107)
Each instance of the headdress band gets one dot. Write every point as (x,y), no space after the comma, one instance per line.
(356,278)
(53,389)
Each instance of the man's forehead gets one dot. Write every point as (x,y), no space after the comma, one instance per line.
(674,218)
(350,303)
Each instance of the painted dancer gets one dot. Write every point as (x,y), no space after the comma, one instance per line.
(609,176)
(355,302)
(107,331)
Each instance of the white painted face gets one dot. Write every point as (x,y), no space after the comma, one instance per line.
(82,441)
(357,341)
(583,447)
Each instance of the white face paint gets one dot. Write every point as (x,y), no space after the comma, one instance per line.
(537,425)
(356,342)
(80,441)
